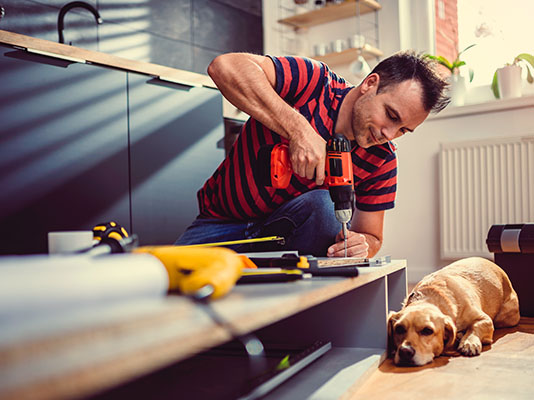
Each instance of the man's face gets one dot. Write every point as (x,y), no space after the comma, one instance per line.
(379,118)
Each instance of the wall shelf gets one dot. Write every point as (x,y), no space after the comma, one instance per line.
(346,56)
(331,13)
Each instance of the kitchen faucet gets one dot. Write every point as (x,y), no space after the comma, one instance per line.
(69,6)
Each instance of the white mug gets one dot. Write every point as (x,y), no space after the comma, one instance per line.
(320,49)
(339,45)
(69,241)
(356,41)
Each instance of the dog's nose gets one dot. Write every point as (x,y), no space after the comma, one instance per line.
(406,353)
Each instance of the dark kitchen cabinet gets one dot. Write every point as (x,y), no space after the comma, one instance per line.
(173,134)
(63,149)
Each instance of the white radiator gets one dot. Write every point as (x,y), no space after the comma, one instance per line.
(483,183)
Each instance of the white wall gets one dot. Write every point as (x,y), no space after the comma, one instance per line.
(412,229)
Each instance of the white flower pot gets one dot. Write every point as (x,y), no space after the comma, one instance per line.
(457,90)
(509,78)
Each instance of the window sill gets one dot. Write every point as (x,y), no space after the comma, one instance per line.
(487,107)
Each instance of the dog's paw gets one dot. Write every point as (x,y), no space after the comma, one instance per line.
(470,346)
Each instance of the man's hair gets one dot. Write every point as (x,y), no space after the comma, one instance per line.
(407,65)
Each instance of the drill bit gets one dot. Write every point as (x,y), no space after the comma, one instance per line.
(344,216)
(345,236)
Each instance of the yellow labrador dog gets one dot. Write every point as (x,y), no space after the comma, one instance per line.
(455,308)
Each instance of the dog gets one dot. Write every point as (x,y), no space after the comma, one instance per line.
(455,308)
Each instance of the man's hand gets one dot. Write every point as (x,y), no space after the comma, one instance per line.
(307,152)
(357,245)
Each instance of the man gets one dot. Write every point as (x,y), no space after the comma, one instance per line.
(301,102)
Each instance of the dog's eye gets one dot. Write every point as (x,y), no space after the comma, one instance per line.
(399,330)
(427,331)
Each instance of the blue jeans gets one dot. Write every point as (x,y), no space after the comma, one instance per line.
(307,223)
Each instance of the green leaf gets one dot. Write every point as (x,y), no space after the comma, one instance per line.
(495,86)
(471,75)
(529,58)
(464,50)
(284,363)
(526,57)
(443,61)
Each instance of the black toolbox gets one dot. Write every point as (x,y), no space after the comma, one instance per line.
(513,248)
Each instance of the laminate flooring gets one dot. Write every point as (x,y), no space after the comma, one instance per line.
(504,370)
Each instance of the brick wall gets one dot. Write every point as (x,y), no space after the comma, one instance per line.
(447,28)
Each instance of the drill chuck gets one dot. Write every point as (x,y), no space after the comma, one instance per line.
(343,215)
(342,196)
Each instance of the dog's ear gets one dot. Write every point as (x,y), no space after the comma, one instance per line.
(413,296)
(449,334)
(392,318)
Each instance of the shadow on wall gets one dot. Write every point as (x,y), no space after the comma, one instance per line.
(182,34)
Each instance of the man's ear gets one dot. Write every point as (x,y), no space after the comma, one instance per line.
(370,82)
(449,334)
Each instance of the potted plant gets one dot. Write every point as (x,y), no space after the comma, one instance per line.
(457,81)
(507,80)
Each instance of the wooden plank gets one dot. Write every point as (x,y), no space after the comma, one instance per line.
(108,60)
(339,261)
(331,13)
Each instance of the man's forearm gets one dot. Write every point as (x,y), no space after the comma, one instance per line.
(369,224)
(247,81)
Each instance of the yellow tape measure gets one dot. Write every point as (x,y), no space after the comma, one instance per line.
(109,229)
(242,241)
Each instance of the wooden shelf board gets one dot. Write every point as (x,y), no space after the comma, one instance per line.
(85,359)
(108,60)
(331,13)
(349,55)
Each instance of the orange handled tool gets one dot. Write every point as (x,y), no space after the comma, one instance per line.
(340,179)
(274,165)
(275,170)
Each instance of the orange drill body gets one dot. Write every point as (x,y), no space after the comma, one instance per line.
(338,166)
(339,177)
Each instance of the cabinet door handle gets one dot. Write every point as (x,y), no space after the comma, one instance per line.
(179,81)
(43,57)
(174,84)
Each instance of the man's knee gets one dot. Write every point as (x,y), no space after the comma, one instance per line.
(308,223)
(319,207)
(314,208)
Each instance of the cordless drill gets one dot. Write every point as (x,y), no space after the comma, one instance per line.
(338,174)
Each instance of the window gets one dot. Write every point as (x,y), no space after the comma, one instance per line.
(501,31)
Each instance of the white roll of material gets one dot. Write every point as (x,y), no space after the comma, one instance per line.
(43,284)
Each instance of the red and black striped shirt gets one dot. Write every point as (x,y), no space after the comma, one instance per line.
(235,192)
